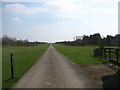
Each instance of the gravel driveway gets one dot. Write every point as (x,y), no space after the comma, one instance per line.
(53,70)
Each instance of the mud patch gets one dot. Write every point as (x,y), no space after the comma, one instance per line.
(107,75)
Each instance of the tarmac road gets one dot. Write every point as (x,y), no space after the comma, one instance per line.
(53,70)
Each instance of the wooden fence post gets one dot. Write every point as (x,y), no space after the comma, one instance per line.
(98,52)
(12,66)
(110,54)
(117,55)
(101,52)
(94,53)
(104,53)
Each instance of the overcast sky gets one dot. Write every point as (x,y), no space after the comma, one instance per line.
(56,20)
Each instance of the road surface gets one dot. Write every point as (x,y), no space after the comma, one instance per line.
(53,70)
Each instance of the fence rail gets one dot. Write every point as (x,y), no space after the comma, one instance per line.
(111,54)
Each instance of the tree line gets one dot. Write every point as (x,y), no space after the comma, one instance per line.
(9,41)
(94,39)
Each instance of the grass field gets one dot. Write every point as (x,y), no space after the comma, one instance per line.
(24,58)
(97,69)
(79,54)
(0,67)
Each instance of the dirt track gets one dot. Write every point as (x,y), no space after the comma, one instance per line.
(53,70)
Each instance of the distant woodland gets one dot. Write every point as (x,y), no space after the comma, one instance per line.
(94,39)
(9,41)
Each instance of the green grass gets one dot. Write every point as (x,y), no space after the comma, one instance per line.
(24,58)
(80,55)
(0,67)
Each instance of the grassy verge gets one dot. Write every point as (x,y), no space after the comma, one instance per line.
(80,55)
(98,69)
(24,58)
(0,67)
